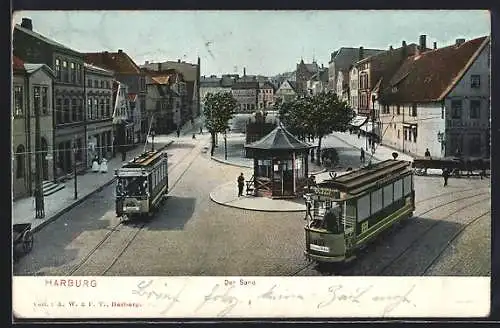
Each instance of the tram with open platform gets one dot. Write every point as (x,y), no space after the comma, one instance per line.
(142,184)
(347,212)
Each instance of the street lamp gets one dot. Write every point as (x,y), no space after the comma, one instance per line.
(152,134)
(74,170)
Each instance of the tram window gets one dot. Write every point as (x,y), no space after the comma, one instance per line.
(363,207)
(398,190)
(376,201)
(135,186)
(388,194)
(407,185)
(351,208)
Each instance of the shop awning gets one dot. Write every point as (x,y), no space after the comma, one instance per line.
(358,121)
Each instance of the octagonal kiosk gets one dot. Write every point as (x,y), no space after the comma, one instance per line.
(280,164)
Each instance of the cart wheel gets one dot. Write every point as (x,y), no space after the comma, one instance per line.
(27,241)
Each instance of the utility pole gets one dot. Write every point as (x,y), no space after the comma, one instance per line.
(373,120)
(39,202)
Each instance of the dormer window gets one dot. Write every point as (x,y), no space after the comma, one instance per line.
(475,81)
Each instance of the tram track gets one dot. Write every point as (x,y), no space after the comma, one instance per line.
(310,264)
(135,232)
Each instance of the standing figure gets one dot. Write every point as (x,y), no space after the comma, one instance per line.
(241,184)
(201,130)
(446,175)
(427,154)
(362,157)
(178,132)
(119,199)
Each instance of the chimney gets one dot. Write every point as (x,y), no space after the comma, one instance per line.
(120,51)
(390,47)
(361,53)
(178,60)
(27,23)
(244,71)
(435,45)
(459,42)
(422,44)
(404,50)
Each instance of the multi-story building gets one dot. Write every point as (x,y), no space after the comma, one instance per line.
(166,96)
(441,107)
(99,100)
(191,75)
(343,86)
(318,82)
(342,60)
(69,94)
(265,95)
(303,73)
(32,95)
(245,94)
(123,118)
(211,84)
(127,72)
(286,92)
(372,73)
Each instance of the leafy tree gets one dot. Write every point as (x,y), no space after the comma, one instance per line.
(219,109)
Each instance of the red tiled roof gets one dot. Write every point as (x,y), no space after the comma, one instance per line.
(17,64)
(118,62)
(431,75)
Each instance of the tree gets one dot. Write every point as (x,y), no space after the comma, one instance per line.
(219,109)
(328,113)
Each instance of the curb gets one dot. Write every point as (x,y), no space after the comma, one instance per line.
(80,200)
(254,209)
(230,163)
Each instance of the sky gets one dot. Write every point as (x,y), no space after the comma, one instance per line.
(263,42)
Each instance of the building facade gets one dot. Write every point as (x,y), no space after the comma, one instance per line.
(32,93)
(265,95)
(303,73)
(123,119)
(69,94)
(245,94)
(286,92)
(443,108)
(318,82)
(99,114)
(127,72)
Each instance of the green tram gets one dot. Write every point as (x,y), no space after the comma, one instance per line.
(351,210)
(142,184)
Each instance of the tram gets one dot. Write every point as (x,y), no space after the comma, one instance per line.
(142,184)
(347,212)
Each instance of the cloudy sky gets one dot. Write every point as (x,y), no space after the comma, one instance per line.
(265,42)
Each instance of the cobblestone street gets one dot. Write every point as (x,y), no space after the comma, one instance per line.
(192,235)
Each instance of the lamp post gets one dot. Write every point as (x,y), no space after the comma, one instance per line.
(152,133)
(74,170)
(373,119)
(225,144)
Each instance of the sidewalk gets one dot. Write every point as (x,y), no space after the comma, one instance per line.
(23,210)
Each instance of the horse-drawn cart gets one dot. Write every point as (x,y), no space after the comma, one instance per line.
(22,238)
(454,165)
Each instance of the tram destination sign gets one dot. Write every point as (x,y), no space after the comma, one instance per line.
(327,192)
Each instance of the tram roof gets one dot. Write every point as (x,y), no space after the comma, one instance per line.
(362,179)
(145,159)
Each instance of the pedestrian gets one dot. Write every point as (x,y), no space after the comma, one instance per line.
(427,154)
(446,175)
(201,130)
(359,134)
(124,155)
(362,157)
(241,184)
(194,136)
(119,199)
(178,132)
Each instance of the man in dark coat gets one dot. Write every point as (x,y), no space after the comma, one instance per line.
(119,199)
(362,157)
(241,184)
(446,175)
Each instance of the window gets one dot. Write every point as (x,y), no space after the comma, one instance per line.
(65,71)
(102,107)
(398,110)
(45,100)
(415,134)
(386,109)
(414,110)
(102,84)
(405,133)
(95,109)
(108,107)
(74,110)
(89,108)
(59,111)
(66,110)
(398,134)
(456,108)
(475,81)
(58,69)
(78,74)
(96,84)
(388,195)
(475,144)
(20,156)
(475,108)
(73,72)
(36,100)
(89,83)
(442,112)
(18,101)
